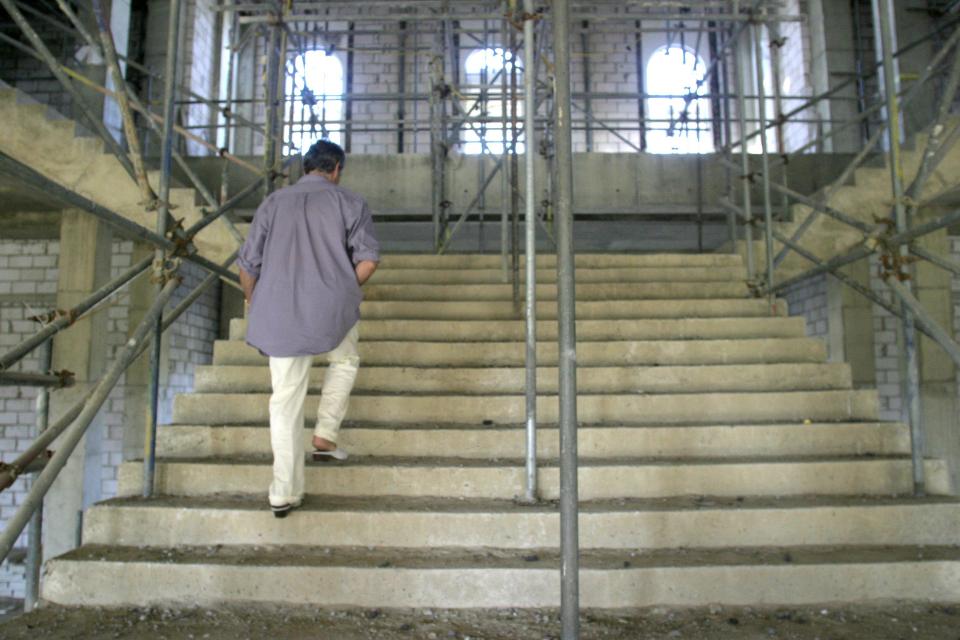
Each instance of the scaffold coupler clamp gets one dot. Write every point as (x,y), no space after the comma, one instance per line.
(165,270)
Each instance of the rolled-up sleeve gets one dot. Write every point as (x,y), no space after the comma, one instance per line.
(361,240)
(251,254)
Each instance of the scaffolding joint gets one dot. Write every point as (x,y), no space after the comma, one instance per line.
(10,473)
(893,263)
(166,269)
(67,378)
(51,317)
(518,18)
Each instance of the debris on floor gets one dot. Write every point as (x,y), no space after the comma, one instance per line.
(897,621)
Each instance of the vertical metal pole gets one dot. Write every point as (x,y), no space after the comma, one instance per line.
(727,133)
(230,18)
(587,103)
(451,75)
(530,219)
(699,160)
(166,161)
(641,85)
(483,100)
(776,77)
(765,154)
(505,165)
(401,85)
(566,313)
(911,362)
(744,158)
(348,107)
(883,11)
(437,140)
(273,69)
(35,533)
(514,165)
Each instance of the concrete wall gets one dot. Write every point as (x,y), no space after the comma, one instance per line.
(31,75)
(199,61)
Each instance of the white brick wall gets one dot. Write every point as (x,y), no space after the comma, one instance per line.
(27,268)
(200,36)
(28,283)
(886,349)
(809,299)
(191,338)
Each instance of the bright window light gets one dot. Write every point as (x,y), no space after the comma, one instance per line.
(316,88)
(482,67)
(680,124)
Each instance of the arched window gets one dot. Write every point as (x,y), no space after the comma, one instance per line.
(483,68)
(681,122)
(315,88)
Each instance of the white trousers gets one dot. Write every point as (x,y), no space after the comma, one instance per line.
(290,378)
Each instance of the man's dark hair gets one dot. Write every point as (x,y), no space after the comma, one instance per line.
(325,156)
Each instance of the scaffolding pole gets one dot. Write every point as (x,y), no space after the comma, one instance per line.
(745,177)
(530,246)
(910,357)
(566,314)
(160,260)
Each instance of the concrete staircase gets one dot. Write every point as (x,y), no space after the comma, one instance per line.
(722,461)
(60,150)
(868,198)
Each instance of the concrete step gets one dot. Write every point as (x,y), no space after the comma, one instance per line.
(825,406)
(589,354)
(483,577)
(719,440)
(504,479)
(587,330)
(702,523)
(549,260)
(549,275)
(590,291)
(586,310)
(486,380)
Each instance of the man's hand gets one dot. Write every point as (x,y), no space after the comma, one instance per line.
(365,269)
(247,282)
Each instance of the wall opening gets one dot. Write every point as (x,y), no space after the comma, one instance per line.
(483,68)
(314,91)
(679,117)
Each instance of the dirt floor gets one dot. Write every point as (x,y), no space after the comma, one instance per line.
(895,621)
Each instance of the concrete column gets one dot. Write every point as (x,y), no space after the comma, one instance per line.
(938,382)
(856,322)
(910,25)
(136,384)
(84,266)
(831,62)
(231,306)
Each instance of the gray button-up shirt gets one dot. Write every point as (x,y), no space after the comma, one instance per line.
(302,247)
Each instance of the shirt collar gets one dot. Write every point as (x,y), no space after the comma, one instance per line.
(314,178)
